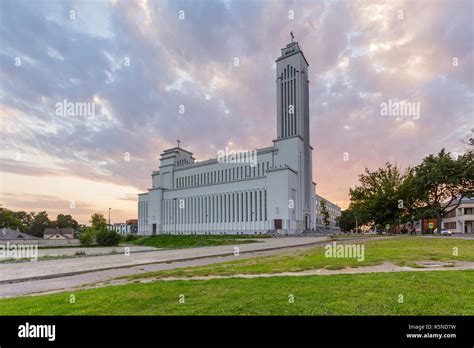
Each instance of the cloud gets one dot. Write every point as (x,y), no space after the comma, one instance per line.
(140,61)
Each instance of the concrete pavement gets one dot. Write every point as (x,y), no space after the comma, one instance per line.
(92,250)
(18,272)
(107,277)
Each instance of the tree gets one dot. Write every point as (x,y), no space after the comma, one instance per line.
(10,219)
(98,221)
(39,223)
(441,181)
(347,220)
(98,233)
(378,199)
(66,221)
(88,236)
(469,139)
(24,217)
(324,213)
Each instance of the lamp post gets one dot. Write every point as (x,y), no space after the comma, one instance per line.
(109,215)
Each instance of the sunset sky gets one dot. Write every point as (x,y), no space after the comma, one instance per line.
(138,61)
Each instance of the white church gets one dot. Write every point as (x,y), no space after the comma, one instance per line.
(254,192)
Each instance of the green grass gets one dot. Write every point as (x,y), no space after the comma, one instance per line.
(403,251)
(181,241)
(424,293)
(357,235)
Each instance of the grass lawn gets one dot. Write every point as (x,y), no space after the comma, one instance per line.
(424,293)
(403,251)
(363,235)
(182,241)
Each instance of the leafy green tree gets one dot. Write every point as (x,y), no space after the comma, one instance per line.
(378,198)
(88,236)
(324,213)
(24,217)
(98,221)
(39,223)
(441,181)
(12,220)
(66,221)
(347,220)
(98,232)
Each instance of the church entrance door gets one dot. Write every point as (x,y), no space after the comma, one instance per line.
(278,224)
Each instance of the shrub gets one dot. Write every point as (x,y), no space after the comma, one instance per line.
(107,238)
(130,237)
(88,236)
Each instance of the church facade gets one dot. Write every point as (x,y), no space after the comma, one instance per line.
(242,193)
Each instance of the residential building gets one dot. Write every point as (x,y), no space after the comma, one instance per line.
(334,212)
(461,219)
(10,234)
(58,233)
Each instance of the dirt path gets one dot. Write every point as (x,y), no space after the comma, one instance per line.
(386,267)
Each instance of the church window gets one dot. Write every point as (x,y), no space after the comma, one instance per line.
(265,201)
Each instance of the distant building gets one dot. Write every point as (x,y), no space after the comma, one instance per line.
(334,212)
(461,219)
(58,233)
(129,227)
(9,234)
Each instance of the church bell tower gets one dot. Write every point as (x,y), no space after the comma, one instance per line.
(292,93)
(293,130)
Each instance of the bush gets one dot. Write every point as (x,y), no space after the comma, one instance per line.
(130,237)
(88,236)
(107,238)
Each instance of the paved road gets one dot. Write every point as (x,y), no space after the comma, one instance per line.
(17,272)
(104,278)
(92,250)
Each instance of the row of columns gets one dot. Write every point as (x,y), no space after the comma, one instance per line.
(241,206)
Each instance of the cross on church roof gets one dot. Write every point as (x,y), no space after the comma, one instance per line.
(292,36)
(178,141)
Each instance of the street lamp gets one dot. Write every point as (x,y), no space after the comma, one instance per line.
(109,215)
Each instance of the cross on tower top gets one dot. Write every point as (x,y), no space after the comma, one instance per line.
(178,141)
(292,36)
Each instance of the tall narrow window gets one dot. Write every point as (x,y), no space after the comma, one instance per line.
(265,208)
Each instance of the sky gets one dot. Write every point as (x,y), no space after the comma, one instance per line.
(138,65)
